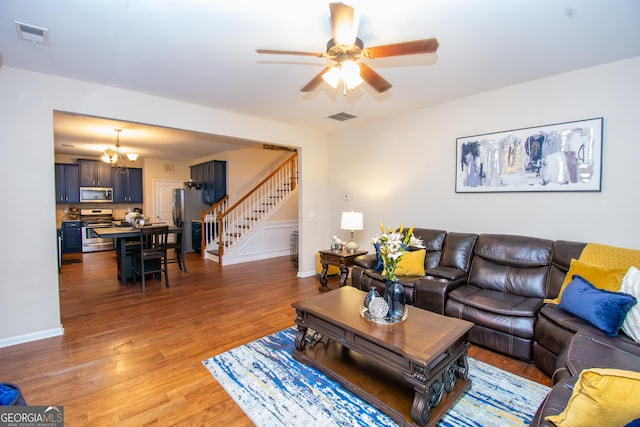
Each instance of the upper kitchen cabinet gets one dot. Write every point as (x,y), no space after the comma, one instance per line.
(67,188)
(213,177)
(127,187)
(95,173)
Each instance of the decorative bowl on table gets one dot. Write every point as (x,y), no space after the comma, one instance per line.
(378,312)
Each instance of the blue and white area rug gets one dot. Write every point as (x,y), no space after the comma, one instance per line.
(275,390)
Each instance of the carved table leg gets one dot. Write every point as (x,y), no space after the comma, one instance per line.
(462,367)
(301,342)
(430,395)
(344,273)
(323,276)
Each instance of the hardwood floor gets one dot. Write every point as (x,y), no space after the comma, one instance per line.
(132,359)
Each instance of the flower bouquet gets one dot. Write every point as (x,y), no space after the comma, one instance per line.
(392,245)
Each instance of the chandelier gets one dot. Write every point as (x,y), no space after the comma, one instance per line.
(120,162)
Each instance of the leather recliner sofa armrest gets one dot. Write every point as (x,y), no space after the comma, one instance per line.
(449,273)
(431,292)
(367,261)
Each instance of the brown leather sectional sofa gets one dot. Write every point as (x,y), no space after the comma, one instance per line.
(499,282)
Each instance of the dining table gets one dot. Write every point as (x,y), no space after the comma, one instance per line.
(120,235)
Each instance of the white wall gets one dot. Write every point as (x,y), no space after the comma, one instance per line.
(29,303)
(403,168)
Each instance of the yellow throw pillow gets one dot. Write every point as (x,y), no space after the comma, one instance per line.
(601,277)
(601,397)
(411,263)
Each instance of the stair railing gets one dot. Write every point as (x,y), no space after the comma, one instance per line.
(208,220)
(227,225)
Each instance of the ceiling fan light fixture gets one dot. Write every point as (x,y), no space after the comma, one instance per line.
(350,74)
(332,77)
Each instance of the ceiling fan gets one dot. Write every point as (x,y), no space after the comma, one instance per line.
(345,49)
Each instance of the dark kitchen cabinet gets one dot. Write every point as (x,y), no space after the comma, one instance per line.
(95,173)
(196,236)
(213,177)
(67,188)
(127,187)
(71,237)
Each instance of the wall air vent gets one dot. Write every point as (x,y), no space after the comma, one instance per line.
(341,117)
(32,33)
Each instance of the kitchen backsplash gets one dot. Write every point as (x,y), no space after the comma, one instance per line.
(119,209)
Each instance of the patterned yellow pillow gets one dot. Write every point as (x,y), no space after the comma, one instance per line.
(601,397)
(601,277)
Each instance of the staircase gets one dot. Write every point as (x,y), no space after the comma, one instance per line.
(225,227)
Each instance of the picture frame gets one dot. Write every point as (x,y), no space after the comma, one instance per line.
(557,157)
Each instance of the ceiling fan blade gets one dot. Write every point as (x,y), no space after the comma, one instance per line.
(315,81)
(289,52)
(374,79)
(343,24)
(404,48)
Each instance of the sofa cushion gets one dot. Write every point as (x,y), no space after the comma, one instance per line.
(496,302)
(511,264)
(604,309)
(411,263)
(601,277)
(458,248)
(601,397)
(511,314)
(631,285)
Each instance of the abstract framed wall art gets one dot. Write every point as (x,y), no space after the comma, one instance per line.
(558,157)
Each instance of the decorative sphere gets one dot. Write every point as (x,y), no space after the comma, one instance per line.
(378,308)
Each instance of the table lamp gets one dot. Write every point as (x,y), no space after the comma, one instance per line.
(352,221)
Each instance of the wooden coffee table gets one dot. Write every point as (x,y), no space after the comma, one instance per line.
(413,371)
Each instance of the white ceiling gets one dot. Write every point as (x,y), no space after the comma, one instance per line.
(203,52)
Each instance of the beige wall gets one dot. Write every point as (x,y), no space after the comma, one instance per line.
(29,307)
(406,164)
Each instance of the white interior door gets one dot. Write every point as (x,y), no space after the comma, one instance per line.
(163,200)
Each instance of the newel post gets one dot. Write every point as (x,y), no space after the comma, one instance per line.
(293,173)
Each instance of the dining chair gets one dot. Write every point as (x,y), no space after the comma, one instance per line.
(178,247)
(152,256)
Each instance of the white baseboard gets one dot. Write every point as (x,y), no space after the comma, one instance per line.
(34,336)
(307,273)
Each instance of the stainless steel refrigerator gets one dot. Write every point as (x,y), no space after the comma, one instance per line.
(187,205)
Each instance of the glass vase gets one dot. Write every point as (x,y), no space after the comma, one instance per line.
(373,293)
(394,296)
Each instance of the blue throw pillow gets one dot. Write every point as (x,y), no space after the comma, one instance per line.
(603,309)
(634,423)
(379,264)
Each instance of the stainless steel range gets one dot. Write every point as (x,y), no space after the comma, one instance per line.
(92,219)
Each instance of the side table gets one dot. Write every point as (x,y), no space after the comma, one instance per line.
(342,259)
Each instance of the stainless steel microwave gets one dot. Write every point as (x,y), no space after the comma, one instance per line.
(96,194)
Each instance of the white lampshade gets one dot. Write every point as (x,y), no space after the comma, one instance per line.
(351,221)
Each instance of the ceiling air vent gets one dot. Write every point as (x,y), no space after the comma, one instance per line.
(32,33)
(342,116)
